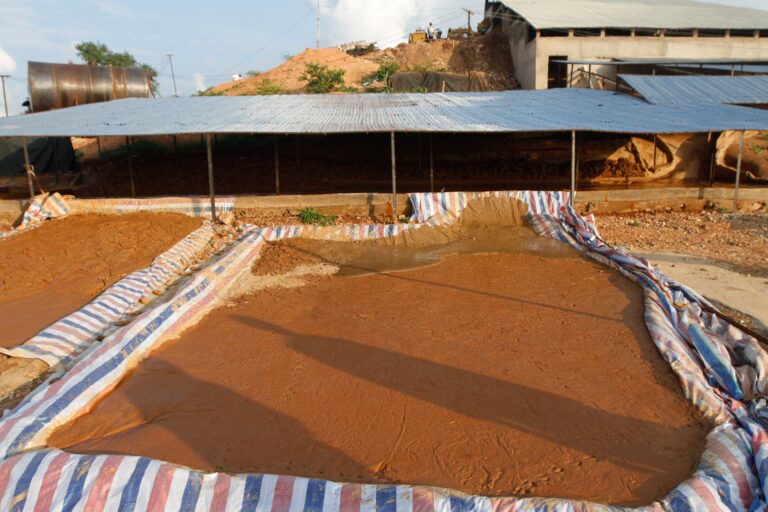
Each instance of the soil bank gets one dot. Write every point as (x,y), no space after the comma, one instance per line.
(53,270)
(524,373)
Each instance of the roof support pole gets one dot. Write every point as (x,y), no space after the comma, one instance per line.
(277,167)
(431,166)
(655,149)
(738,173)
(570,80)
(130,166)
(712,145)
(394,177)
(573,168)
(28,167)
(210,177)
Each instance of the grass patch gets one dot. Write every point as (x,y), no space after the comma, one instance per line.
(312,216)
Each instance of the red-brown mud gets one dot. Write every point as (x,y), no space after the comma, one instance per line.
(527,373)
(59,267)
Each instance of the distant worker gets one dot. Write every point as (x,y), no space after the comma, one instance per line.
(431,32)
(236,77)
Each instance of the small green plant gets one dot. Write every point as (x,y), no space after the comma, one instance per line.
(757,148)
(252,73)
(321,79)
(420,89)
(311,216)
(288,56)
(267,88)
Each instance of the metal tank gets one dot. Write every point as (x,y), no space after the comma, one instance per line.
(54,86)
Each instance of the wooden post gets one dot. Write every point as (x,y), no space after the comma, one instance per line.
(655,146)
(712,146)
(277,167)
(573,168)
(394,177)
(738,173)
(431,166)
(28,167)
(130,166)
(210,177)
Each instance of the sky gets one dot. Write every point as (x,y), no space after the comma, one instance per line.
(209,40)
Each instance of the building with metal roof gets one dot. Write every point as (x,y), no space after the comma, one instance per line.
(557,110)
(542,32)
(700,90)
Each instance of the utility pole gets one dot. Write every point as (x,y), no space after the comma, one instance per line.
(317,18)
(469,12)
(173,75)
(5,98)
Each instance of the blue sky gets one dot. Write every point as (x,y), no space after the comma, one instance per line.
(210,40)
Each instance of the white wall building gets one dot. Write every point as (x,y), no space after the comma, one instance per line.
(543,31)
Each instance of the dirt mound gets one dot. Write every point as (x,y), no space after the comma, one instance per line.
(283,257)
(754,164)
(490,54)
(286,75)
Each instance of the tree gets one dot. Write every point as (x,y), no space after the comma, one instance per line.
(99,54)
(321,79)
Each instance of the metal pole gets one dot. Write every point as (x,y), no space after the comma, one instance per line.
(277,168)
(654,153)
(431,166)
(469,12)
(210,177)
(5,98)
(712,146)
(317,18)
(570,80)
(28,167)
(738,173)
(394,177)
(130,166)
(173,75)
(589,75)
(573,168)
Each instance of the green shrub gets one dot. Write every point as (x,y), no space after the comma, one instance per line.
(321,79)
(312,216)
(268,87)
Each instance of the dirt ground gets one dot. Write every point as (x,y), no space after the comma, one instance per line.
(57,268)
(543,387)
(736,241)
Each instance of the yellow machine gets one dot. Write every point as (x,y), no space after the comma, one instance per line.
(417,37)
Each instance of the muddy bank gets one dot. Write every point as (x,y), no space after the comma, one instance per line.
(525,372)
(51,271)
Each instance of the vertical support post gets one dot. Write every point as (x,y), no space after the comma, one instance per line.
(655,148)
(394,177)
(570,80)
(277,167)
(573,168)
(210,177)
(28,167)
(589,75)
(130,166)
(712,146)
(176,150)
(5,98)
(431,166)
(738,173)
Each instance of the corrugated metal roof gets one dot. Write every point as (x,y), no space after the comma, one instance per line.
(700,90)
(662,14)
(510,111)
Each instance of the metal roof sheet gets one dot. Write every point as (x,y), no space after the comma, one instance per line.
(509,111)
(662,14)
(700,90)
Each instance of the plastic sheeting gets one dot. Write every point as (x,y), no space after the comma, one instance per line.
(711,359)
(40,209)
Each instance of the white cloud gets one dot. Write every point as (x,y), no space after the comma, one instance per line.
(199,81)
(7,64)
(388,23)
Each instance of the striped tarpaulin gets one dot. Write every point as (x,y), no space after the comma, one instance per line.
(40,209)
(708,357)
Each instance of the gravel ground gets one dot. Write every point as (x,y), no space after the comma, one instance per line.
(738,241)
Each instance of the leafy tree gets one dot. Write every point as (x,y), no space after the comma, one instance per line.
(321,79)
(99,54)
